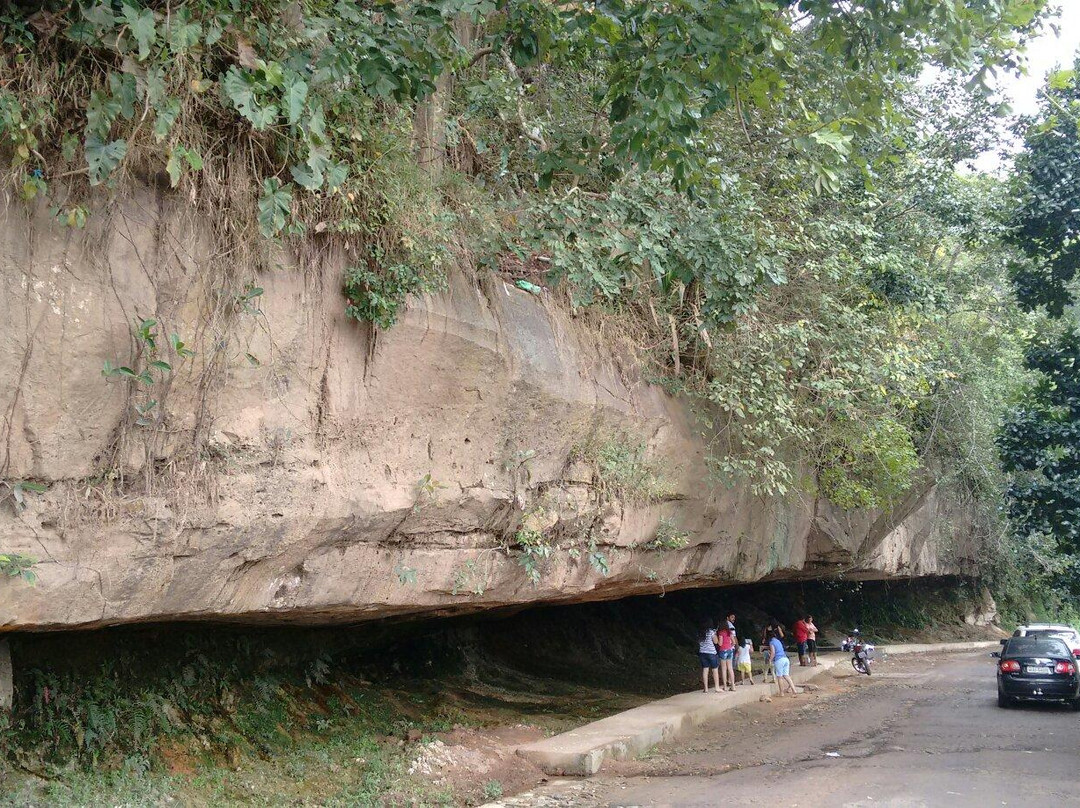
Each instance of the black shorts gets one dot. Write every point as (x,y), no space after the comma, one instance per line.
(811,646)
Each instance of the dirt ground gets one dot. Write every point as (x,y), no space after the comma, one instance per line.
(477,765)
(465,758)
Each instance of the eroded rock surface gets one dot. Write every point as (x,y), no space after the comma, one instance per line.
(300,467)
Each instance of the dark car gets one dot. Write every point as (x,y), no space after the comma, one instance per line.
(1037,668)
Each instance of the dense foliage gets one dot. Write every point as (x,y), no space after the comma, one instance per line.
(304,75)
(1040,442)
(761,190)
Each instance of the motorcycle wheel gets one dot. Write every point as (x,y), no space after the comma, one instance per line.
(860,665)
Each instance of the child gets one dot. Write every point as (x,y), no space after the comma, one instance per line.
(743,664)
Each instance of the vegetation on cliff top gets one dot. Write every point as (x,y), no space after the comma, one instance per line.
(762,187)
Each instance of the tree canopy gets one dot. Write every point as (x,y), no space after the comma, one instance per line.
(1040,442)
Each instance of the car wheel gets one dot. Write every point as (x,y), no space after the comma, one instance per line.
(1003,700)
(1075,704)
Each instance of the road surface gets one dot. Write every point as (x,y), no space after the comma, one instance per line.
(922,731)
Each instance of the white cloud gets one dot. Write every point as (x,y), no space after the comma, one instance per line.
(1048,52)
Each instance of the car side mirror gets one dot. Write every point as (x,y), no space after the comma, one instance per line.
(1076,653)
(996,654)
(1002,642)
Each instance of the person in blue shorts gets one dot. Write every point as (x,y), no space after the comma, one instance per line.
(707,641)
(781,664)
(726,653)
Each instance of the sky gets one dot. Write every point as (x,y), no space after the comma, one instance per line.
(1044,54)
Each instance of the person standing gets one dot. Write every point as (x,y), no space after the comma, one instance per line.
(729,625)
(707,640)
(802,634)
(811,640)
(773,627)
(727,654)
(781,664)
(734,644)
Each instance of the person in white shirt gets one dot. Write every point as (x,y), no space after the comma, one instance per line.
(743,664)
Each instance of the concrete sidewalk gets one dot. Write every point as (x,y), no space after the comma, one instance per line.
(628,734)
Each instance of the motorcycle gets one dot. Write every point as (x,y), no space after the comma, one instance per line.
(862,652)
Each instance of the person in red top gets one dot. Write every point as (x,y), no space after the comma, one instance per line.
(802,635)
(726,653)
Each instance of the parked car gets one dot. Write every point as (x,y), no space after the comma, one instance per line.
(1067,633)
(1037,668)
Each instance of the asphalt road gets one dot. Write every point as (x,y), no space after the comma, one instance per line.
(922,731)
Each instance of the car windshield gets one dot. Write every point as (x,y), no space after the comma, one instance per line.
(1036,646)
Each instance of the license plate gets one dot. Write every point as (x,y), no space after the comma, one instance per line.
(1037,669)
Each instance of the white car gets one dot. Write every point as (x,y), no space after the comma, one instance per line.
(1067,633)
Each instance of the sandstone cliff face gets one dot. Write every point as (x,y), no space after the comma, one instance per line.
(301,468)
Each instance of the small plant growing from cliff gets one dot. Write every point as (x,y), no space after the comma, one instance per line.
(16,565)
(597,560)
(426,489)
(668,537)
(623,470)
(147,354)
(534,550)
(17,492)
(518,459)
(144,333)
(405,575)
(376,296)
(469,580)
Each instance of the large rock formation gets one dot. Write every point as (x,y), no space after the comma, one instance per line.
(301,467)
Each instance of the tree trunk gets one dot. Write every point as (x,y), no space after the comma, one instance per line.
(429,120)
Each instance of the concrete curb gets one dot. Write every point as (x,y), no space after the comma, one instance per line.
(914,648)
(582,751)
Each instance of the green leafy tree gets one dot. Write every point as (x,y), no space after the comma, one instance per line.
(1048,222)
(1040,441)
